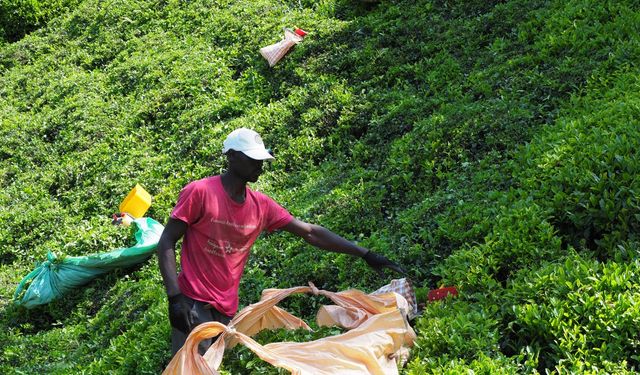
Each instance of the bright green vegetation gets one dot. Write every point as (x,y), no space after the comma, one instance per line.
(489,145)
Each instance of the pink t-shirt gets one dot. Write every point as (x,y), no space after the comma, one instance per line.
(219,235)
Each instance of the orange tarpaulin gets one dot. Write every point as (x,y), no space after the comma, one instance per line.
(380,335)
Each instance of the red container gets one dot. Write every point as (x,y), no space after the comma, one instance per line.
(441,293)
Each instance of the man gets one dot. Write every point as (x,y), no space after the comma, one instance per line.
(220,218)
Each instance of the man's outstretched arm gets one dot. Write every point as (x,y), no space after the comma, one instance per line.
(325,239)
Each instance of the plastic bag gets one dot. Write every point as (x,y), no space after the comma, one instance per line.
(274,52)
(56,276)
(404,288)
(379,337)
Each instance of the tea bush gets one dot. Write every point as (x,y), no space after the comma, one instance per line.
(521,239)
(18,18)
(455,330)
(489,145)
(484,364)
(592,193)
(577,314)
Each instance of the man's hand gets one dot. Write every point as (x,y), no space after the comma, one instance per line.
(180,313)
(379,262)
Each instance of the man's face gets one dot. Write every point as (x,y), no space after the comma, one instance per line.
(244,167)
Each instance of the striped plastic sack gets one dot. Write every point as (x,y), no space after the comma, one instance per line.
(275,52)
(404,288)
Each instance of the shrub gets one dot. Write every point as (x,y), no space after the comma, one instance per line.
(584,169)
(484,364)
(470,141)
(576,314)
(454,330)
(18,18)
(520,239)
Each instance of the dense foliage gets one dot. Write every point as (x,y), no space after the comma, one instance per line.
(490,145)
(20,17)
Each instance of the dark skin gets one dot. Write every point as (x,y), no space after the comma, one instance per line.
(241,170)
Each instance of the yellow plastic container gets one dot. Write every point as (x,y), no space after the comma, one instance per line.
(137,202)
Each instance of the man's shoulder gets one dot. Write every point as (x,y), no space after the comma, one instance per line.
(199,187)
(202,183)
(262,198)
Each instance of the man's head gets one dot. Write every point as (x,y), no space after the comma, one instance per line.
(245,153)
(248,142)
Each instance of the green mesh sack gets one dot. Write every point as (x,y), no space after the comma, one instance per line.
(55,276)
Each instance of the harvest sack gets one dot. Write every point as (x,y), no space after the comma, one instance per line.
(379,337)
(56,276)
(273,53)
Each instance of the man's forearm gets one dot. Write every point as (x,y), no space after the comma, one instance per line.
(167,261)
(325,239)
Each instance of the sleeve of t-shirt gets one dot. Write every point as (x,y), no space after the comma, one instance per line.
(189,205)
(277,216)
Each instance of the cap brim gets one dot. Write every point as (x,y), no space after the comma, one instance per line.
(258,154)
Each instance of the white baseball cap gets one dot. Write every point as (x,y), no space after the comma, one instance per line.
(248,142)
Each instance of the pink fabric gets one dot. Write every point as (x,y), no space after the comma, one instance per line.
(219,235)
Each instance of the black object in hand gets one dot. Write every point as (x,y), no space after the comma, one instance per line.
(180,313)
(379,262)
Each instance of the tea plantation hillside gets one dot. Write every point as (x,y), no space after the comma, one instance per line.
(490,145)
